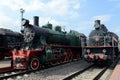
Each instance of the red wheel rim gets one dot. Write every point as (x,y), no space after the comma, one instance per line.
(69,54)
(35,64)
(78,56)
(54,62)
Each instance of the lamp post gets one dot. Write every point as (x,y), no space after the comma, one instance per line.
(22,11)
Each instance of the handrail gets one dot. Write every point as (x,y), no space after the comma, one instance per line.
(102,40)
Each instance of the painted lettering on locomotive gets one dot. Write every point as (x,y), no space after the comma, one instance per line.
(102,45)
(43,45)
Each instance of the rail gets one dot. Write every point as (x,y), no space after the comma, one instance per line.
(112,66)
(77,73)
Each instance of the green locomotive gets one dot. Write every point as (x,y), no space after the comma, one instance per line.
(44,46)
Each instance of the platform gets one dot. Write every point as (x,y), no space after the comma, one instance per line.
(116,73)
(5,63)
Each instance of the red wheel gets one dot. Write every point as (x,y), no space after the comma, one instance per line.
(78,56)
(35,63)
(54,62)
(62,60)
(69,55)
(65,57)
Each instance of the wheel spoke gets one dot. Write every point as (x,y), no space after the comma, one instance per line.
(35,64)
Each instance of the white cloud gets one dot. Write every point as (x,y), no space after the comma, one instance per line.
(4,18)
(52,7)
(7,22)
(77,6)
(66,9)
(88,24)
(58,8)
(74,15)
(84,25)
(103,18)
(13,4)
(45,20)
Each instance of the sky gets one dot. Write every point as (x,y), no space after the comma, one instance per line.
(76,15)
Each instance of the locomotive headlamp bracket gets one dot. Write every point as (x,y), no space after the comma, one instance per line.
(88,50)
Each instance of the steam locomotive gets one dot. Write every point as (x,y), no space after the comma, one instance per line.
(102,45)
(8,41)
(45,46)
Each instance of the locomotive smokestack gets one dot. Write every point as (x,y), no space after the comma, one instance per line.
(36,20)
(97,24)
(97,21)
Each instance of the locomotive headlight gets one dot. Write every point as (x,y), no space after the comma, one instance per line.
(96,39)
(88,50)
(27,34)
(104,51)
(25,22)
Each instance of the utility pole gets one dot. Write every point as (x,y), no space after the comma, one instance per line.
(22,11)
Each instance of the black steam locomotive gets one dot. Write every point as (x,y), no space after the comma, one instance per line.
(8,41)
(102,45)
(43,45)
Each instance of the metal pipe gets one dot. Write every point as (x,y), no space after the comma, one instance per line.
(22,11)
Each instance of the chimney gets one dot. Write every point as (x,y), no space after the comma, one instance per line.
(36,20)
(97,24)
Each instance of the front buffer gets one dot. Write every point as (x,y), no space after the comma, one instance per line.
(99,54)
(26,59)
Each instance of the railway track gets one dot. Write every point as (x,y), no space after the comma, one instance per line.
(14,73)
(112,66)
(91,72)
(100,74)
(57,73)
(77,73)
(7,71)
(4,69)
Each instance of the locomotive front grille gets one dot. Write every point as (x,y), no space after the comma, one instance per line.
(19,63)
